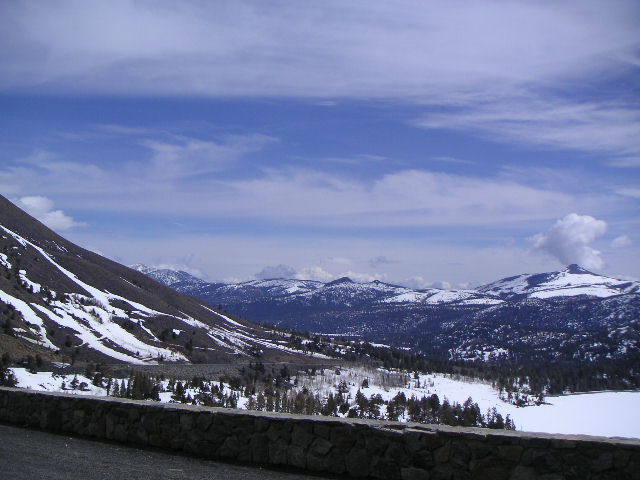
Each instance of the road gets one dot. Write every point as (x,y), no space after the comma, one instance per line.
(30,454)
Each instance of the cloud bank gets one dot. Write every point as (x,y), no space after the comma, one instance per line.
(316,273)
(570,238)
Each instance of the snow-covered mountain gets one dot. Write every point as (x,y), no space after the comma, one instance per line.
(571,313)
(62,302)
(573,281)
(570,282)
(169,277)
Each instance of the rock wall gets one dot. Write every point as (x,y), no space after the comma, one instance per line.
(358,448)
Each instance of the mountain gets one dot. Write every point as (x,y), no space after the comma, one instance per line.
(571,314)
(176,279)
(571,282)
(63,302)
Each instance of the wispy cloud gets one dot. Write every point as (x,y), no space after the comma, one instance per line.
(621,241)
(190,157)
(611,128)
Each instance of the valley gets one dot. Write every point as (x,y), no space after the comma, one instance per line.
(76,322)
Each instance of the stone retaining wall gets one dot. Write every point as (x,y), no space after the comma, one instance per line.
(358,448)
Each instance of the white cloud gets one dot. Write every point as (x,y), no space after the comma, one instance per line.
(42,209)
(621,241)
(416,282)
(570,238)
(316,273)
(419,283)
(441,284)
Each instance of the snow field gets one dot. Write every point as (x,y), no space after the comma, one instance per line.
(609,414)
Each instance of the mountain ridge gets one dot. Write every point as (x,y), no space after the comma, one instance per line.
(567,314)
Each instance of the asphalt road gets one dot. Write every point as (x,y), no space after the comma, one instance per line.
(30,454)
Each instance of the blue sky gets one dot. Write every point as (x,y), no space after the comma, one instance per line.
(424,143)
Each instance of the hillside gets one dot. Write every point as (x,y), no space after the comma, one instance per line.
(63,302)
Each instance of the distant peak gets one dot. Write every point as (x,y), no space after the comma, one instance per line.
(577,269)
(338,281)
(141,267)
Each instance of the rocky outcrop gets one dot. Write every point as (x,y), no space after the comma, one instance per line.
(358,448)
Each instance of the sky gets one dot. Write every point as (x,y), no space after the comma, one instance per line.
(425,143)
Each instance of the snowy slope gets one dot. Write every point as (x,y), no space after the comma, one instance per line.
(169,277)
(570,282)
(73,303)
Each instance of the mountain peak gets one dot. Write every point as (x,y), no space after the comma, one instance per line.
(577,269)
(339,281)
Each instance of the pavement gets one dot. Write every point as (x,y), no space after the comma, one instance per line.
(27,454)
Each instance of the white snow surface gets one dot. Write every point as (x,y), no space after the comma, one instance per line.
(36,287)
(609,414)
(572,281)
(4,261)
(31,317)
(48,381)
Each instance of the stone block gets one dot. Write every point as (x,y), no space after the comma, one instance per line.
(412,473)
(322,430)
(480,450)
(278,452)
(384,469)
(336,460)
(510,453)
(491,469)
(543,461)
(296,456)
(358,462)
(229,448)
(376,444)
(523,473)
(441,455)
(320,447)
(302,436)
(602,462)
(621,458)
(260,424)
(343,437)
(260,448)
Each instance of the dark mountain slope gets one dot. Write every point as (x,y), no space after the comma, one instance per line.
(60,297)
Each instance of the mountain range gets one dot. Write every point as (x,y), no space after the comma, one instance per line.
(569,314)
(63,302)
